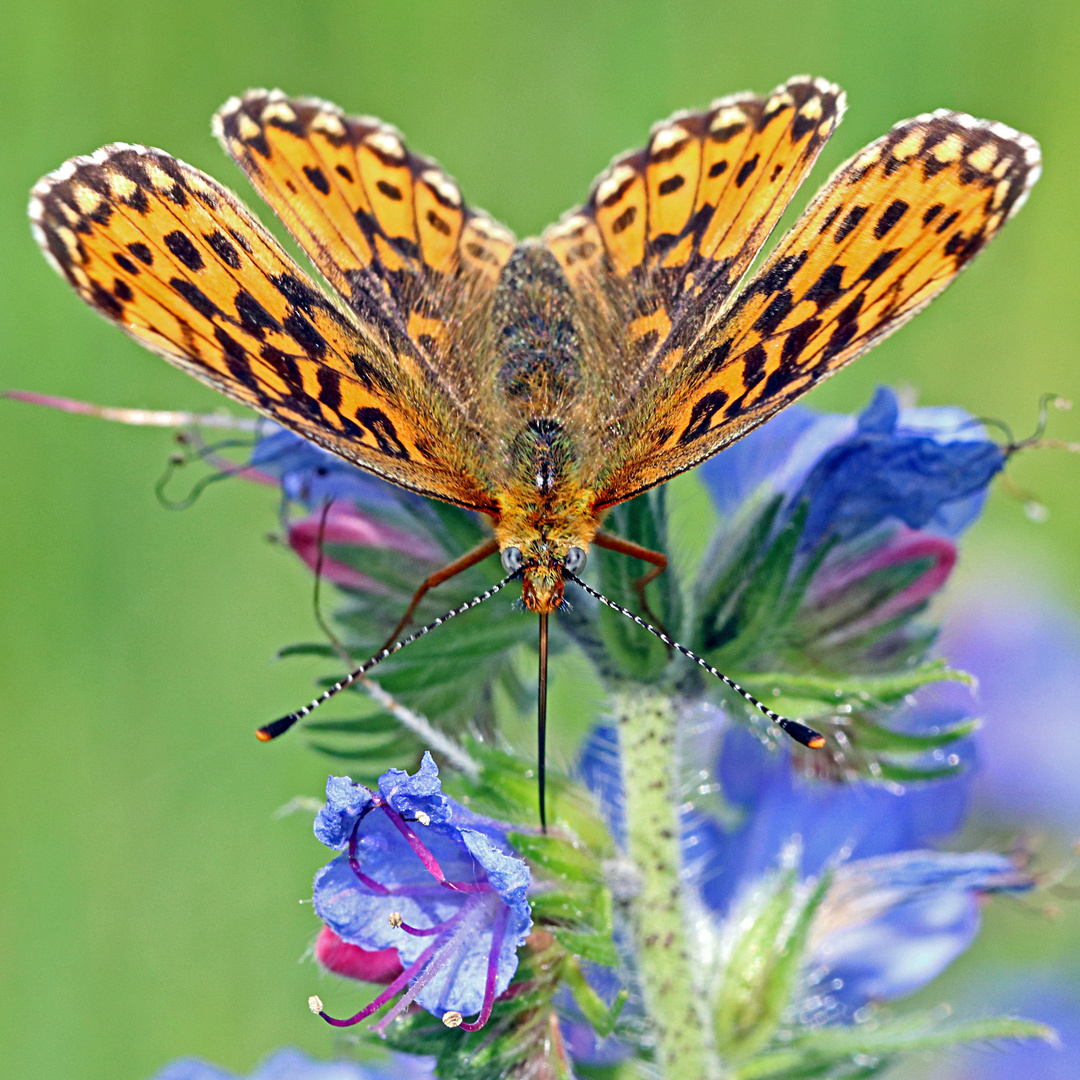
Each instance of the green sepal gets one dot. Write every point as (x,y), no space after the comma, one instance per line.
(602,1018)
(834,690)
(761,973)
(868,736)
(818,1052)
(751,628)
(506,790)
(561,858)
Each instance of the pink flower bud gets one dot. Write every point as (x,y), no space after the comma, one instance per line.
(344,525)
(382,966)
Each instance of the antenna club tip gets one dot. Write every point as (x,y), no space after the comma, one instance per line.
(263,735)
(314,1003)
(817,742)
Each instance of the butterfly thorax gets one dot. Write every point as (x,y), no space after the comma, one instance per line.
(544,508)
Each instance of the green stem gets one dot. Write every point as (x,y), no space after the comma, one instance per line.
(646,722)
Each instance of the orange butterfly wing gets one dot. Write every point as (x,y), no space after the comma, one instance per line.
(888,232)
(387,228)
(679,222)
(174,259)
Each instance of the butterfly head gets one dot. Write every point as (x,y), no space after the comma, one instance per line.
(542,564)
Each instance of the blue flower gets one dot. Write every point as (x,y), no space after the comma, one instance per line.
(891,924)
(293,1065)
(927,468)
(423,875)
(1014,639)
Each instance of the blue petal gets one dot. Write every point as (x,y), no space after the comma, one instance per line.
(508,875)
(294,1065)
(419,793)
(599,770)
(346,802)
(894,923)
(883,472)
(857,819)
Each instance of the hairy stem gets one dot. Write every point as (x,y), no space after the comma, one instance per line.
(675,1003)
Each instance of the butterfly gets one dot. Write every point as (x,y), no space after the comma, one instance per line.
(539,382)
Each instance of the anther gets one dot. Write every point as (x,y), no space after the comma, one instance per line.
(395,919)
(314,1003)
(452,1019)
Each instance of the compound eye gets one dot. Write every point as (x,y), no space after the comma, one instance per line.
(511,559)
(575,560)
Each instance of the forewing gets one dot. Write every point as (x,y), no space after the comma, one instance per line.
(175,260)
(888,232)
(677,223)
(387,228)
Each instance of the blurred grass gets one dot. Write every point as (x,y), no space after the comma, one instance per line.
(148,901)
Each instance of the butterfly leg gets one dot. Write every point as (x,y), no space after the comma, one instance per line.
(470,558)
(636,551)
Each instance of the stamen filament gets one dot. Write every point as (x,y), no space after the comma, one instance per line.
(499,932)
(440,953)
(394,988)
(425,855)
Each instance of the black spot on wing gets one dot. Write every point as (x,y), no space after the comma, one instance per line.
(946,222)
(195,297)
(754,365)
(105,301)
(254,317)
(624,220)
(329,388)
(179,243)
(893,213)
(834,213)
(796,341)
(932,213)
(122,290)
(304,334)
(382,430)
(880,265)
(854,216)
(285,366)
(391,191)
(777,311)
(368,374)
(125,263)
(298,293)
(714,360)
(828,288)
(317,178)
(223,248)
(718,168)
(141,252)
(847,326)
(344,173)
(701,416)
(671,184)
(745,170)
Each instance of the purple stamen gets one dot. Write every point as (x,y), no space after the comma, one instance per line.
(446,951)
(419,932)
(354,861)
(425,855)
(394,988)
(498,933)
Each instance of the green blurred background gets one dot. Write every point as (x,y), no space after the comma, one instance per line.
(150,903)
